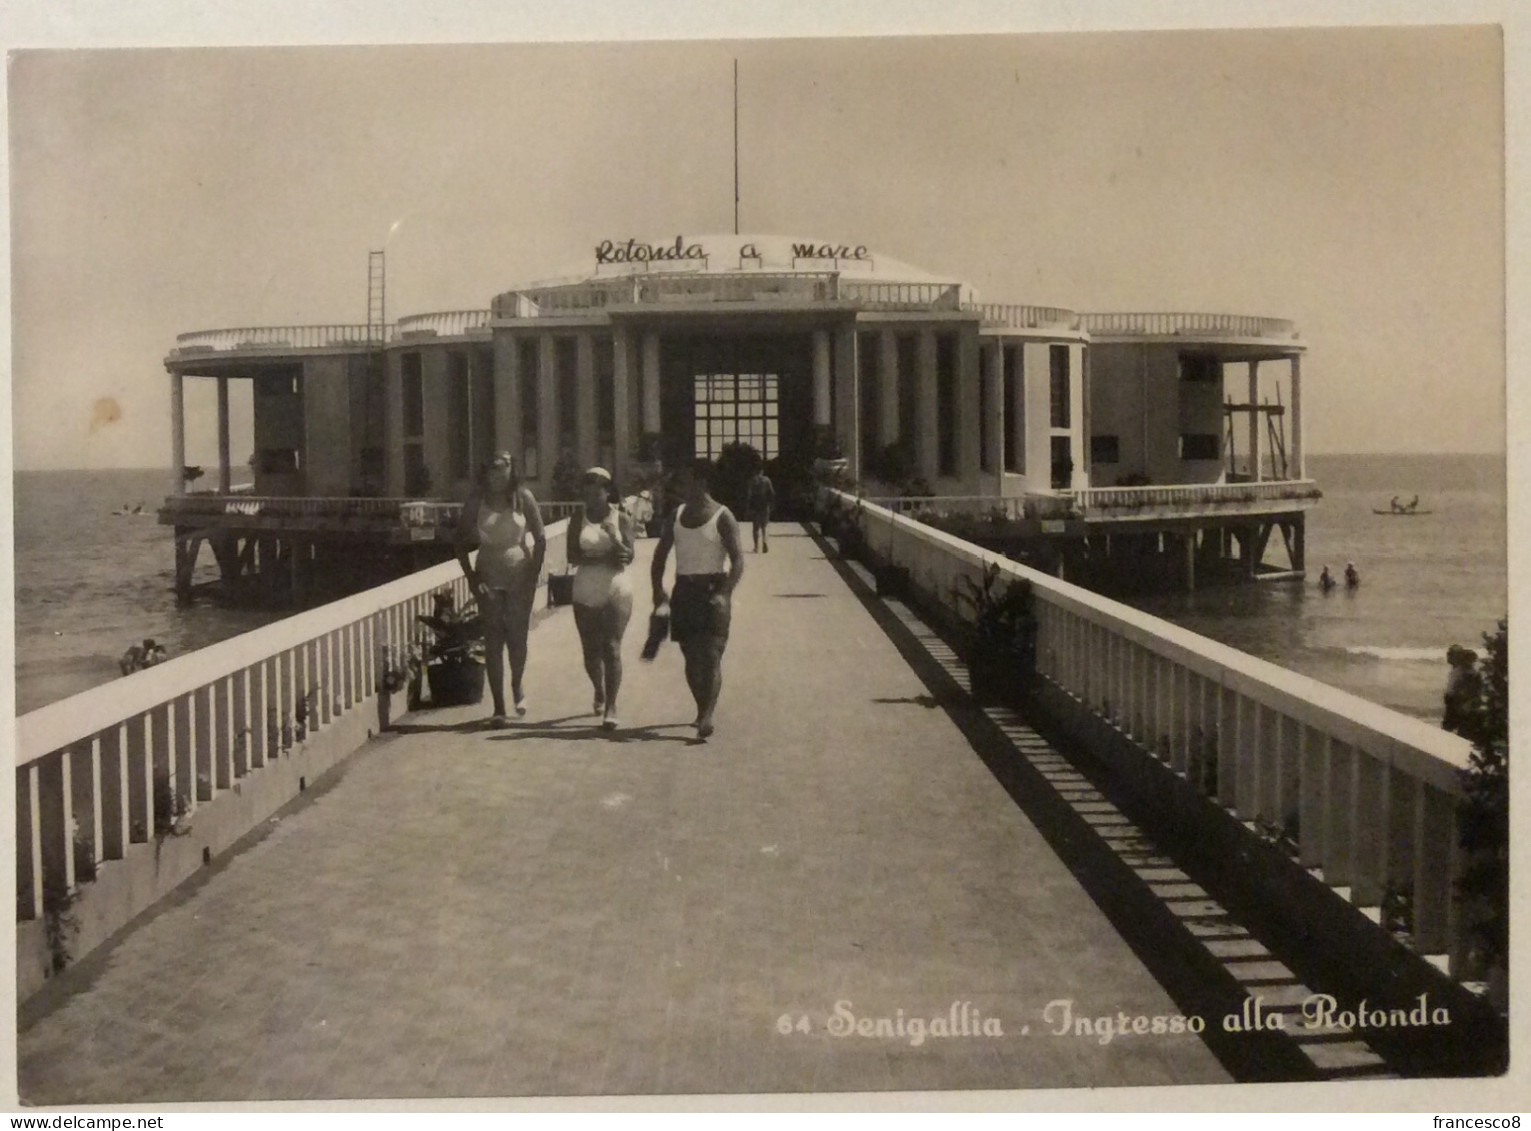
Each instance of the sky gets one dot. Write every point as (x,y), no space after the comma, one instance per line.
(1350,179)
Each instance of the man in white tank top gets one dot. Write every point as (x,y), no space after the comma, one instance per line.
(709,562)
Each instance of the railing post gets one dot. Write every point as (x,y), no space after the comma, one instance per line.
(1313,771)
(1229,762)
(1339,822)
(87,795)
(54,818)
(1403,794)
(200,731)
(29,843)
(1435,840)
(239,688)
(1172,710)
(140,779)
(116,827)
(222,715)
(1369,807)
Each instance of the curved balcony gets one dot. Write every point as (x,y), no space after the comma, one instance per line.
(442,324)
(1189,325)
(1012,317)
(248,338)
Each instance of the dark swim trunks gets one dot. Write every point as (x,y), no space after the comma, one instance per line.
(699,607)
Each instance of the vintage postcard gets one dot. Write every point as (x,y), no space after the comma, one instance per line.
(960,560)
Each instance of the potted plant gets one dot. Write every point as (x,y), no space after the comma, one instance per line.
(454,655)
(1002,658)
(398,671)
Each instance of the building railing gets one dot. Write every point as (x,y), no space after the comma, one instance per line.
(1200,494)
(1014,317)
(409,512)
(1092,501)
(282,337)
(442,324)
(1009,507)
(99,773)
(1222,325)
(902,296)
(1368,795)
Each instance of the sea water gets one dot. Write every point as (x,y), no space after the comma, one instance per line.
(89,582)
(1427,581)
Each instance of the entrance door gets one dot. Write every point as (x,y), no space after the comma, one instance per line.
(746,388)
(737,408)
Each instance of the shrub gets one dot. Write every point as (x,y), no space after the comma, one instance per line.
(1484,813)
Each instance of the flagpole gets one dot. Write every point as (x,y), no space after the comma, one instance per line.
(736,147)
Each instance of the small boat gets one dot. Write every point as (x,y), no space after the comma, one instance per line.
(1401,514)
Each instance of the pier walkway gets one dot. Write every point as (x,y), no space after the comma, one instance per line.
(550,910)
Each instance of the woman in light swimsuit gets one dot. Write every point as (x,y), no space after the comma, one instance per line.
(497,518)
(601,546)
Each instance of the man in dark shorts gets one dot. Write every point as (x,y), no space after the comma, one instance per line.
(759,496)
(709,562)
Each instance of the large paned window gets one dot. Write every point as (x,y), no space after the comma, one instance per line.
(737,408)
(566,379)
(527,368)
(946,403)
(1015,410)
(1059,386)
(459,414)
(417,479)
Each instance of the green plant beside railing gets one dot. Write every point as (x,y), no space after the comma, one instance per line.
(1002,657)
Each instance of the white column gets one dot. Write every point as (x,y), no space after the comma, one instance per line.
(1015,405)
(966,408)
(548,440)
(887,387)
(621,403)
(585,420)
(1079,437)
(847,395)
(821,390)
(1254,420)
(994,401)
(177,435)
(927,447)
(393,424)
(1299,469)
(224,476)
(650,379)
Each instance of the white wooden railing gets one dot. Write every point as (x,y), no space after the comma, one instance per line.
(1194,494)
(1090,501)
(358,336)
(1370,793)
(410,512)
(1162,323)
(92,769)
(443,324)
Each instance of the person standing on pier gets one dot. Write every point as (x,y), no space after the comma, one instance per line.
(709,563)
(760,495)
(601,546)
(499,517)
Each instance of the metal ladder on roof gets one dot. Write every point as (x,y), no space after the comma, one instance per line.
(377,338)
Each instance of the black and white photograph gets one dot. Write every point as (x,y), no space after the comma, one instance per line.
(771,561)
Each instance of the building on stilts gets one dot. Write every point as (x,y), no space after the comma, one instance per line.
(1159,447)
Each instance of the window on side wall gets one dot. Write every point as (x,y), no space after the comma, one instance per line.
(1199,445)
(1201,368)
(1105,449)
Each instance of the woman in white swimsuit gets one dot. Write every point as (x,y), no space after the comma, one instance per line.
(500,517)
(601,546)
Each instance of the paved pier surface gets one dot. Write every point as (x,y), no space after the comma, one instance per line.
(549,910)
